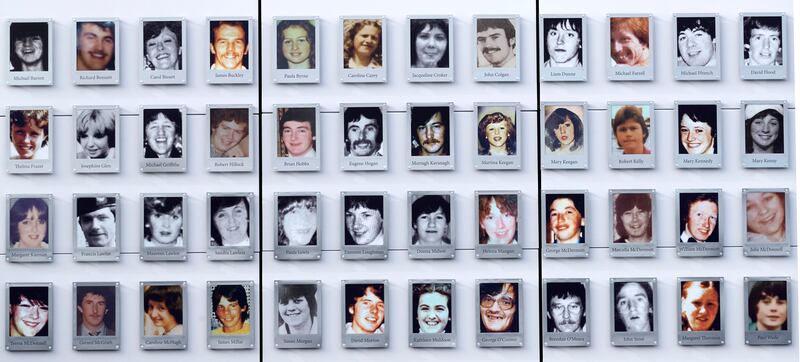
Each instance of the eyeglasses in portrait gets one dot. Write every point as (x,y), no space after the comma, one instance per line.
(498,308)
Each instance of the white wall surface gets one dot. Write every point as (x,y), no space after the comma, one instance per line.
(62,183)
(665,178)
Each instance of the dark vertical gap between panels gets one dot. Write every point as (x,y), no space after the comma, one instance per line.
(260,193)
(539,177)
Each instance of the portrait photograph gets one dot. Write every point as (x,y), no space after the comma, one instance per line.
(164,307)
(564,129)
(96,133)
(634,306)
(364,134)
(297,220)
(298,309)
(28,313)
(766,213)
(499,304)
(163,56)
(163,132)
(496,42)
(768,305)
(700,213)
(630,47)
(430,40)
(364,221)
(762,45)
(29,131)
(95,310)
(566,218)
(229,224)
(363,43)
(230,132)
(296,52)
(697,53)
(498,219)
(697,132)
(566,306)
(30,52)
(432,313)
(96,224)
(700,305)
(631,126)
(163,225)
(564,42)
(365,312)
(28,223)
(230,309)
(96,45)
(497,130)
(297,132)
(430,130)
(229,44)
(633,219)
(766,138)
(430,219)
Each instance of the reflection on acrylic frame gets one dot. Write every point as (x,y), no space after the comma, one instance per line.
(35,336)
(565,310)
(164,230)
(634,312)
(763,46)
(97,132)
(498,136)
(632,231)
(430,48)
(302,334)
(162,56)
(355,69)
(767,216)
(231,314)
(96,223)
(297,225)
(222,68)
(232,227)
(31,63)
(297,49)
(432,225)
(500,64)
(364,133)
(27,126)
(297,137)
(633,138)
(231,138)
(38,246)
(766,141)
(699,222)
(430,128)
(499,297)
(164,138)
(169,298)
(565,131)
(358,328)
(498,232)
(563,48)
(774,325)
(432,313)
(99,63)
(566,225)
(696,46)
(364,225)
(93,335)
(698,126)
(705,327)
(625,63)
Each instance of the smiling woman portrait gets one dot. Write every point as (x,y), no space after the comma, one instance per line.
(296,44)
(362,43)
(28,311)
(28,223)
(430,46)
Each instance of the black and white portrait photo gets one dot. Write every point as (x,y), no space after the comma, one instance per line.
(763,40)
(363,132)
(163,221)
(96,224)
(696,41)
(162,43)
(163,133)
(364,221)
(229,221)
(430,220)
(634,306)
(298,309)
(764,128)
(563,39)
(430,43)
(297,220)
(96,133)
(29,46)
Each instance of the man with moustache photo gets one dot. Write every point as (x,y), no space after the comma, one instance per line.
(566,309)
(97,221)
(429,131)
(229,45)
(95,46)
(363,131)
(497,41)
(499,307)
(365,309)
(94,305)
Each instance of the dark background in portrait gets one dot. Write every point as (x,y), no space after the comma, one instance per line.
(41,294)
(284,203)
(174,115)
(415,304)
(703,112)
(551,23)
(219,203)
(22,30)
(691,23)
(511,141)
(152,29)
(494,289)
(618,228)
(108,292)
(685,199)
(309,291)
(245,25)
(773,21)
(370,202)
(619,325)
(775,110)
(562,289)
(310,27)
(716,325)
(417,25)
(18,212)
(576,199)
(354,291)
(419,117)
(303,114)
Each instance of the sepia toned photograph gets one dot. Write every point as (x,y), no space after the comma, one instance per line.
(363,43)
(230,136)
(633,218)
(497,130)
